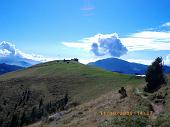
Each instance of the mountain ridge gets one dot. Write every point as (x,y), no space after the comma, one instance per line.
(5,68)
(122,66)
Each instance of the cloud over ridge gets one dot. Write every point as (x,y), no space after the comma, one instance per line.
(9,54)
(108,45)
(152,40)
(101,45)
(8,49)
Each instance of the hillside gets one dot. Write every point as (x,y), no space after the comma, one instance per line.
(100,112)
(4,68)
(122,66)
(26,92)
(142,110)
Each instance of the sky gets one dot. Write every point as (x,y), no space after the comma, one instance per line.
(133,30)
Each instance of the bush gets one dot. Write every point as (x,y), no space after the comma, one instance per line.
(162,121)
(126,121)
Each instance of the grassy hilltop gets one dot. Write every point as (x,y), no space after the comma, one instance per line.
(53,79)
(91,88)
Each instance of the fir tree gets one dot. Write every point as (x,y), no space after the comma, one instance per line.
(155,76)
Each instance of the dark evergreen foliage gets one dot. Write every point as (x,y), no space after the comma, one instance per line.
(23,119)
(41,103)
(155,76)
(21,116)
(14,120)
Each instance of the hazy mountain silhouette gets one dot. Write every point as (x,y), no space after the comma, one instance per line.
(4,68)
(122,66)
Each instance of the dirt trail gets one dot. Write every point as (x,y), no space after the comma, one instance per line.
(158,108)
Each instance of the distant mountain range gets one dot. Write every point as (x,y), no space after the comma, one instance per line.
(4,68)
(13,56)
(122,66)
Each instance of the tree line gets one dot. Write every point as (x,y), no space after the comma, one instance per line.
(24,116)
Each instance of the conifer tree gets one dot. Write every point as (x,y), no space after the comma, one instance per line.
(155,76)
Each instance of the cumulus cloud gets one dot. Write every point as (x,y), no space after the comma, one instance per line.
(108,44)
(8,49)
(144,40)
(101,45)
(111,46)
(4,53)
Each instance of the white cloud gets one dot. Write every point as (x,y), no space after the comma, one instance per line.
(152,40)
(111,45)
(101,45)
(4,53)
(8,49)
(141,61)
(167,60)
(86,61)
(83,45)
(147,40)
(167,24)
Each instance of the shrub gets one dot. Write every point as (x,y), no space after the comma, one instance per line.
(126,121)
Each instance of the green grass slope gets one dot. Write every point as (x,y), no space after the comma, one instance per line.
(51,81)
(148,110)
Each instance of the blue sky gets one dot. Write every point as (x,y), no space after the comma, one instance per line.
(69,28)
